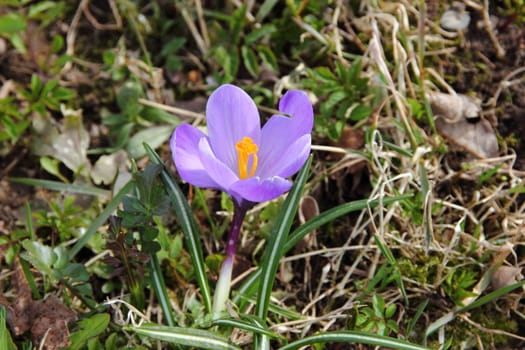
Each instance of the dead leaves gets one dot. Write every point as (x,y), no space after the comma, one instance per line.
(47,320)
(458,120)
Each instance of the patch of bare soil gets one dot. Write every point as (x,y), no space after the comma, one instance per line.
(46,320)
(498,80)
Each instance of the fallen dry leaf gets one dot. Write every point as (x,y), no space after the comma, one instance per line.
(458,120)
(505,276)
(67,142)
(108,166)
(455,18)
(308,209)
(351,138)
(454,107)
(477,138)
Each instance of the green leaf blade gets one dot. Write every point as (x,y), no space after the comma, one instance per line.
(353,337)
(196,338)
(12,23)
(188,225)
(277,241)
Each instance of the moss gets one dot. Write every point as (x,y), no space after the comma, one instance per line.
(460,333)
(422,270)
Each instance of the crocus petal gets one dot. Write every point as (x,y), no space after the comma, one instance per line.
(277,137)
(256,189)
(185,152)
(212,161)
(288,161)
(231,115)
(219,172)
(280,133)
(297,104)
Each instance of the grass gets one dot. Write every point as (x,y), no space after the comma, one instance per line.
(415,244)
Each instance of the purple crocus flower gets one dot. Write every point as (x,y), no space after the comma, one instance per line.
(239,157)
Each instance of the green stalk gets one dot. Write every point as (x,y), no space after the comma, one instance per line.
(160,289)
(222,289)
(188,226)
(275,249)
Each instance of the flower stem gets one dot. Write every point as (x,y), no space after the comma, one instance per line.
(222,289)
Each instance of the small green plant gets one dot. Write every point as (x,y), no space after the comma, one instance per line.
(377,317)
(233,47)
(12,26)
(13,123)
(413,208)
(458,284)
(43,96)
(343,91)
(54,61)
(40,97)
(173,62)
(136,123)
(88,330)
(421,268)
(133,235)
(126,260)
(63,220)
(53,262)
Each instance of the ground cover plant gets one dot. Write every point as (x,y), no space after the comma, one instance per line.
(262,175)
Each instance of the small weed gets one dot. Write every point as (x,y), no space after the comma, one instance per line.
(344,91)
(377,318)
(237,43)
(136,123)
(64,220)
(12,121)
(458,284)
(16,112)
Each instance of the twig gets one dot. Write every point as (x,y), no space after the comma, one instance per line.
(129,11)
(337,32)
(72,35)
(489,330)
(329,149)
(505,83)
(202,23)
(308,28)
(376,54)
(171,109)
(203,48)
(351,35)
(102,26)
(133,312)
(500,51)
(72,30)
(13,163)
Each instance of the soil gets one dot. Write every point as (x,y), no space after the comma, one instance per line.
(480,72)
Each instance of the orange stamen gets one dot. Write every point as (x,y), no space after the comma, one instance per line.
(246,148)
